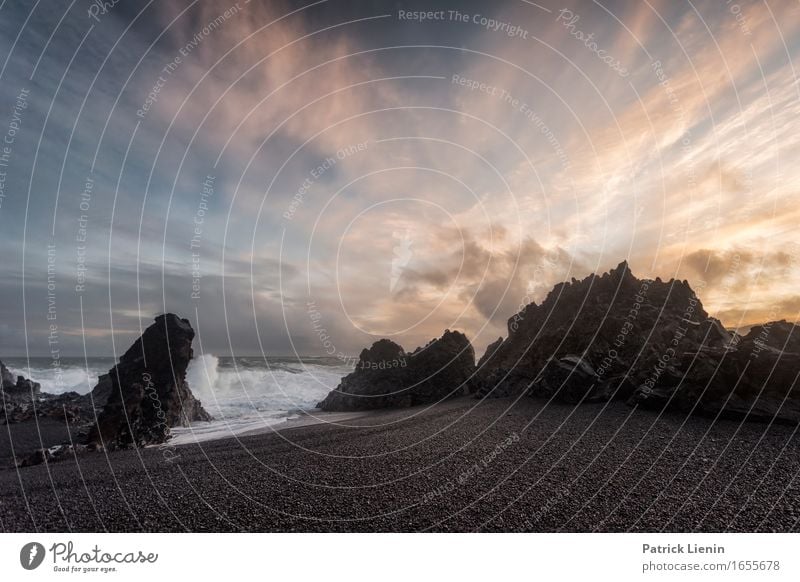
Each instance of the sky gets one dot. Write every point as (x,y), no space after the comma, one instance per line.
(309,177)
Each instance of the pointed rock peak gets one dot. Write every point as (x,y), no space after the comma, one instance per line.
(383,349)
(457,340)
(170,320)
(453,335)
(622,269)
(147,390)
(622,272)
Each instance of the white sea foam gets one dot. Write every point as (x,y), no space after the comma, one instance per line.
(243,396)
(57,380)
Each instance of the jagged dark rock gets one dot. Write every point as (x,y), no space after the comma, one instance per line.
(20,389)
(614,322)
(388,377)
(490,350)
(648,341)
(23,400)
(136,403)
(18,397)
(6,377)
(69,407)
(571,378)
(755,379)
(147,390)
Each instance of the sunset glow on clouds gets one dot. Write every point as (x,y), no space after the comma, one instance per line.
(403,177)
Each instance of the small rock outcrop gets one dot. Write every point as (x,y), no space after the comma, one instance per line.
(147,390)
(19,398)
(386,376)
(6,377)
(18,389)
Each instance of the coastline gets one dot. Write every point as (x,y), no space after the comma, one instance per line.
(461,465)
(295,419)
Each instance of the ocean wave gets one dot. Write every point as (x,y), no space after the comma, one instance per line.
(269,387)
(241,393)
(242,396)
(59,379)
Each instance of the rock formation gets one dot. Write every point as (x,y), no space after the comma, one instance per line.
(20,389)
(148,392)
(756,378)
(6,377)
(136,403)
(18,398)
(25,401)
(614,324)
(388,377)
(647,341)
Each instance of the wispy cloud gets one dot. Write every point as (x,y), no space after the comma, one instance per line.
(547,165)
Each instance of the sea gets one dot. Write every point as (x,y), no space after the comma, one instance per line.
(241,393)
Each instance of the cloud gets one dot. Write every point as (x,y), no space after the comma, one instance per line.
(500,201)
(488,281)
(738,264)
(743,286)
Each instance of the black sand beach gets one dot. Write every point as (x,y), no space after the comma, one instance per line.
(463,465)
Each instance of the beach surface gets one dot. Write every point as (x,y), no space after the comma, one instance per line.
(462,465)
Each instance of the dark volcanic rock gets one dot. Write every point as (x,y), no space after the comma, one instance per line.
(619,326)
(388,377)
(69,407)
(18,397)
(6,377)
(648,341)
(490,350)
(572,378)
(137,402)
(757,379)
(20,389)
(23,400)
(147,390)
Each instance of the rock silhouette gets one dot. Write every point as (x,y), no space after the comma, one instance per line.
(20,389)
(755,378)
(135,404)
(650,342)
(147,390)
(388,377)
